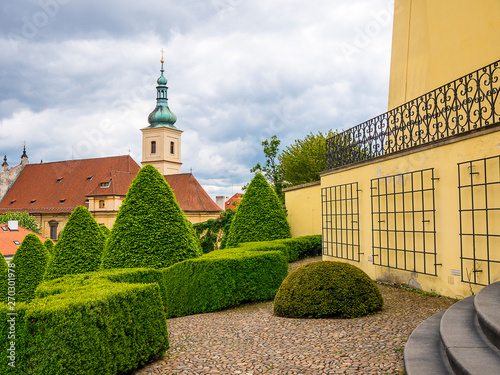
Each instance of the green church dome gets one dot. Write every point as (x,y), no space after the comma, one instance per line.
(162,115)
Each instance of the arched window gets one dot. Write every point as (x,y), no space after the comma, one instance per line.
(172,148)
(101,204)
(153,147)
(53,230)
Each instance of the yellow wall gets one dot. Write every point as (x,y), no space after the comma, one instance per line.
(444,158)
(166,162)
(303,204)
(437,41)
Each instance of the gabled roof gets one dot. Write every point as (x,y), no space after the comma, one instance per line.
(236,198)
(113,183)
(190,194)
(7,237)
(61,186)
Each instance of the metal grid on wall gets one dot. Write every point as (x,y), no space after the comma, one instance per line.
(479,206)
(340,211)
(403,221)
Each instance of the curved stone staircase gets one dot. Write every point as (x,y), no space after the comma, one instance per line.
(464,339)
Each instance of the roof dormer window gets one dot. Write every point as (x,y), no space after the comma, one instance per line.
(62,201)
(5,229)
(89,178)
(105,184)
(12,201)
(59,179)
(33,201)
(16,243)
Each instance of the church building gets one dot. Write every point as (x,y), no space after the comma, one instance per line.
(51,191)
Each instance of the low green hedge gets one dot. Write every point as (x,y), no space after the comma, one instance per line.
(86,324)
(292,248)
(221,279)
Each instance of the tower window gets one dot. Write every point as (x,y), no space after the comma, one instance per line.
(101,204)
(153,147)
(172,148)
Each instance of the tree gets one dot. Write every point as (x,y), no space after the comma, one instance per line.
(305,159)
(79,248)
(49,245)
(24,219)
(150,229)
(260,216)
(29,263)
(272,170)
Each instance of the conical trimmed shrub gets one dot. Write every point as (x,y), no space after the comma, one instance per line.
(79,248)
(49,245)
(29,261)
(105,230)
(260,215)
(3,279)
(150,229)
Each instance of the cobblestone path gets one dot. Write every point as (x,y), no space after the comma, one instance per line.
(250,340)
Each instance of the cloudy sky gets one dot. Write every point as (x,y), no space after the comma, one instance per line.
(77,78)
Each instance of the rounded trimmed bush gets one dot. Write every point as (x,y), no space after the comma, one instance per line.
(260,215)
(327,289)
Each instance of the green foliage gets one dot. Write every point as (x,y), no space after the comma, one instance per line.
(3,279)
(221,279)
(150,230)
(327,289)
(305,159)
(24,219)
(272,170)
(213,233)
(292,248)
(260,215)
(28,264)
(87,324)
(49,245)
(79,248)
(105,230)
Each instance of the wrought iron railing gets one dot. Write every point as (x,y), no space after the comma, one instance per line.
(468,103)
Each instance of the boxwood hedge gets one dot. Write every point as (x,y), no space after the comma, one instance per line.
(86,324)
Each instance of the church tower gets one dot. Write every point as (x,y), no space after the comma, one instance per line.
(161,140)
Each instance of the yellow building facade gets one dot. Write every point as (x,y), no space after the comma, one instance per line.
(413,195)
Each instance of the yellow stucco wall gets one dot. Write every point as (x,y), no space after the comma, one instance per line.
(303,204)
(444,158)
(436,42)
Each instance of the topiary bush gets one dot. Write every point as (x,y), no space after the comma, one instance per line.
(260,215)
(221,279)
(292,248)
(29,264)
(86,324)
(150,230)
(49,245)
(79,248)
(3,279)
(327,289)
(105,230)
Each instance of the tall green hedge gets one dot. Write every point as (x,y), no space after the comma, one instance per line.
(29,264)
(79,248)
(3,279)
(86,324)
(49,245)
(150,229)
(222,279)
(260,215)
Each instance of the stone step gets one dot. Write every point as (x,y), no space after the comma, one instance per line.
(487,305)
(467,348)
(424,352)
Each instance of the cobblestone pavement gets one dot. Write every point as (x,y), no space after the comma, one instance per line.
(249,339)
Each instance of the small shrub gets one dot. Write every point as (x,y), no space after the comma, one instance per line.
(79,248)
(260,216)
(150,230)
(327,289)
(29,263)
(221,279)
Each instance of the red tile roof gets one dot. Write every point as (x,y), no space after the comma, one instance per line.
(7,238)
(236,198)
(61,186)
(190,194)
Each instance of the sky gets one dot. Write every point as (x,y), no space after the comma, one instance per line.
(78,78)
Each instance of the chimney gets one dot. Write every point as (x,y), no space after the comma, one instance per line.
(13,225)
(220,200)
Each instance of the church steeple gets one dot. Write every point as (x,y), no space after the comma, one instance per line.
(161,140)
(162,116)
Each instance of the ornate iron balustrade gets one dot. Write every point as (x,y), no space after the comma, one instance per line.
(468,103)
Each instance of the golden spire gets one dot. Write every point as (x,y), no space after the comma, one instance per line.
(162,56)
